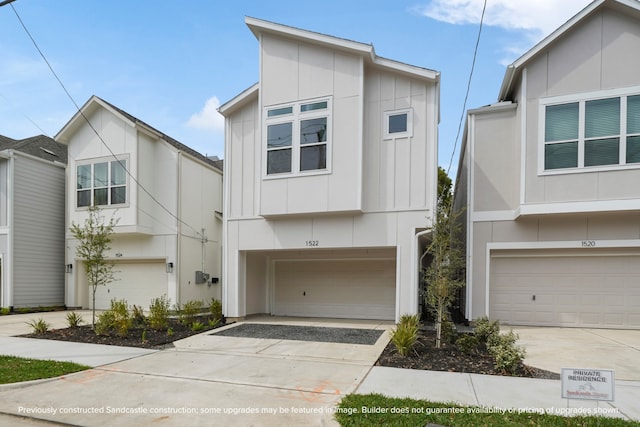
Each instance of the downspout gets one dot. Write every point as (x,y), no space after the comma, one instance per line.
(420,259)
(7,290)
(178,261)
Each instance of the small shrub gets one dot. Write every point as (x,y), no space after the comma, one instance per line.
(144,335)
(137,316)
(159,313)
(215,308)
(486,330)
(123,320)
(5,310)
(468,344)
(106,323)
(197,326)
(448,331)
(39,326)
(405,336)
(74,319)
(507,355)
(187,314)
(170,332)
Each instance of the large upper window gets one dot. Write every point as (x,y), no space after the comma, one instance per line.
(101,183)
(298,137)
(600,132)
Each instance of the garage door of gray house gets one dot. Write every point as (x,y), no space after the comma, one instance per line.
(340,288)
(559,288)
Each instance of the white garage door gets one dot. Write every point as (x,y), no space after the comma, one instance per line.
(582,291)
(360,289)
(137,282)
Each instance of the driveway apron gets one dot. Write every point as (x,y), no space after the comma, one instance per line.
(207,380)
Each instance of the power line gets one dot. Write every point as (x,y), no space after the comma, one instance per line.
(466,97)
(134,179)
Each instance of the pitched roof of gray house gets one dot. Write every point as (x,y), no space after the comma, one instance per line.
(39,146)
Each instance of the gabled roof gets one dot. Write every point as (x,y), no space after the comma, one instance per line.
(39,146)
(627,6)
(94,102)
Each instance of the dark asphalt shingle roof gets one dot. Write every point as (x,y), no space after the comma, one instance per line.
(39,146)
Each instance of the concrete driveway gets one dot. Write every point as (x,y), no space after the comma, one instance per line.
(208,380)
(556,348)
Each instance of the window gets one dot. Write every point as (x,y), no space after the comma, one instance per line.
(101,183)
(398,124)
(601,132)
(298,137)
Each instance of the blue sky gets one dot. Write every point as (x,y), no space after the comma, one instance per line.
(171,63)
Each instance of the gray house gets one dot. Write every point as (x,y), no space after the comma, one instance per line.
(32,209)
(549,179)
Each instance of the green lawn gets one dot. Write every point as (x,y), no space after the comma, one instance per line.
(377,410)
(15,369)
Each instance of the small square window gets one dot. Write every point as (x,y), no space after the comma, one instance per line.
(398,124)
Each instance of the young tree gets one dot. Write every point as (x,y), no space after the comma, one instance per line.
(94,238)
(443,276)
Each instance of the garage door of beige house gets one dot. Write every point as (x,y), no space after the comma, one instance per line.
(359,289)
(138,282)
(598,289)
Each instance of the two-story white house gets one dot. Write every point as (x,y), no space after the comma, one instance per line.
(331,169)
(549,179)
(166,197)
(32,211)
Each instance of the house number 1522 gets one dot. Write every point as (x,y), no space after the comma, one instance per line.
(312,243)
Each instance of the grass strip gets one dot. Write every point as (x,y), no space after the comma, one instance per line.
(359,410)
(16,369)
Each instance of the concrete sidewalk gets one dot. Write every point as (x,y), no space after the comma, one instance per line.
(491,391)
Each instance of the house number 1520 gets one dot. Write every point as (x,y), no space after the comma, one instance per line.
(588,243)
(312,243)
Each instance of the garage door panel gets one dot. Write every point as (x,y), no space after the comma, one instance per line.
(582,291)
(362,289)
(136,282)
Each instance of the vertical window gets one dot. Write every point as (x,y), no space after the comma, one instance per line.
(101,183)
(398,124)
(561,136)
(298,137)
(279,140)
(633,129)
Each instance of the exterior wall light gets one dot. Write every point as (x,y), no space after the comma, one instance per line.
(169,267)
(69,268)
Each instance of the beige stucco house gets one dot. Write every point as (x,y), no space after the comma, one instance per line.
(330,179)
(549,179)
(166,197)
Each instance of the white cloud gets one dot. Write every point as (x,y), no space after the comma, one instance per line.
(540,17)
(534,19)
(208,118)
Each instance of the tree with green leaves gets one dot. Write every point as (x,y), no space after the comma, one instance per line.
(94,239)
(444,275)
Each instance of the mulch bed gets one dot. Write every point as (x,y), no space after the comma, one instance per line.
(153,339)
(426,357)
(449,359)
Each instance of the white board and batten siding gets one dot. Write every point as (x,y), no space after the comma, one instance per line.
(38,233)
